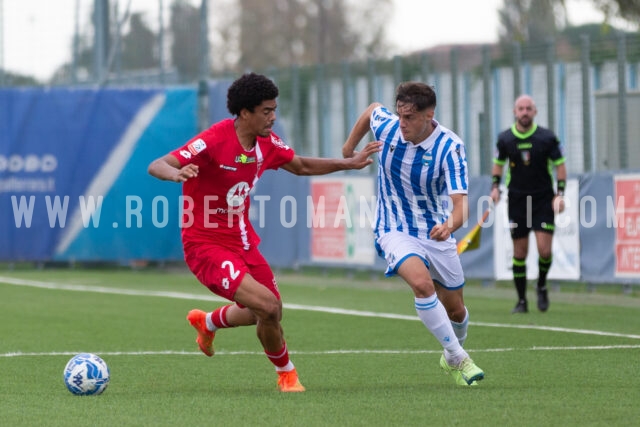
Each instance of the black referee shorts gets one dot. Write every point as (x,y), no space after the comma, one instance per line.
(530,212)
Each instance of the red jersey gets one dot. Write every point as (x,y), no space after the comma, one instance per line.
(216,202)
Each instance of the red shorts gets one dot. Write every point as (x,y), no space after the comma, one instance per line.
(222,269)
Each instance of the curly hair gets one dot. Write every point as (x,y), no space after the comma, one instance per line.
(421,95)
(249,91)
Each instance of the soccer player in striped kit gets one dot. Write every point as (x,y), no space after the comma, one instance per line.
(422,200)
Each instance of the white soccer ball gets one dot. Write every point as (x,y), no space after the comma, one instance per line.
(86,374)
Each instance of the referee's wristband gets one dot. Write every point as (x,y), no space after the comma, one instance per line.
(560,187)
(495,181)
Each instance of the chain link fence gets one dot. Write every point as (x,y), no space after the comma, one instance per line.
(586,91)
(588,95)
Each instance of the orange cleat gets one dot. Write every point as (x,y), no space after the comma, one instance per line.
(197,318)
(289,382)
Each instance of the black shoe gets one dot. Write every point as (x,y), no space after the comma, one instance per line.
(521,307)
(543,299)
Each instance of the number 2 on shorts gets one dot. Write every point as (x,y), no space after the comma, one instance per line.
(232,271)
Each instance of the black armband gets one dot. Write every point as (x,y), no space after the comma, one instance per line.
(495,181)
(560,187)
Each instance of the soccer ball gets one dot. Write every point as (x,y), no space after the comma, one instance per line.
(86,374)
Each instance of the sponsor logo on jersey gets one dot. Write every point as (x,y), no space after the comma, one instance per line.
(237,194)
(197,146)
(229,168)
(243,158)
(185,153)
(526,157)
(426,159)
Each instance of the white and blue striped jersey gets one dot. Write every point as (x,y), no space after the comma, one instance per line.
(414,181)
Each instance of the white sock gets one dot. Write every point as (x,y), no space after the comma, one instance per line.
(461,328)
(434,317)
(210,325)
(288,367)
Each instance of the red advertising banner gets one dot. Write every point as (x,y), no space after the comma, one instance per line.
(341,218)
(328,241)
(627,200)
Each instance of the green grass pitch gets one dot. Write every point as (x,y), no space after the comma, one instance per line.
(360,351)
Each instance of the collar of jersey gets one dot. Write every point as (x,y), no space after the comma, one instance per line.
(515,131)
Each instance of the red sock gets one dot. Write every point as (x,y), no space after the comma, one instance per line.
(219,317)
(279,359)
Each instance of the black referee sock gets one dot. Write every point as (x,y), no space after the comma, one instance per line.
(520,277)
(544,264)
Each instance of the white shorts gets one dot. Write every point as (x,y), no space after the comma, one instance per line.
(441,258)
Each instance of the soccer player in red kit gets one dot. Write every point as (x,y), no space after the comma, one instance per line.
(218,169)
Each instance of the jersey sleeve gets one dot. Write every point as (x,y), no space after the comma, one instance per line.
(456,170)
(556,155)
(500,154)
(196,151)
(379,121)
(279,153)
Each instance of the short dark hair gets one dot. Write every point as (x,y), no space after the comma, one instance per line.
(249,91)
(421,95)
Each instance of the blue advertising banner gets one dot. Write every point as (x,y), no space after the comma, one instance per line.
(73,179)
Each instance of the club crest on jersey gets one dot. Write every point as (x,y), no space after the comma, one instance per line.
(243,158)
(426,159)
(197,146)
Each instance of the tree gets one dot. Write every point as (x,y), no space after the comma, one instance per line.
(306,32)
(185,29)
(628,10)
(14,79)
(138,45)
(531,21)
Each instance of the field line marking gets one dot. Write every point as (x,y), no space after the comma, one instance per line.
(106,290)
(332,310)
(312,353)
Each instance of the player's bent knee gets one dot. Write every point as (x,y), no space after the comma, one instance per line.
(457,314)
(270,309)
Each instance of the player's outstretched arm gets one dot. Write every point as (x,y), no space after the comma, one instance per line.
(359,130)
(167,168)
(321,166)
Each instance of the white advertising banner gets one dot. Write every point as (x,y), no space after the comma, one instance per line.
(566,241)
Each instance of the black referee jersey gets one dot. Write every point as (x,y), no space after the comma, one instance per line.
(531,157)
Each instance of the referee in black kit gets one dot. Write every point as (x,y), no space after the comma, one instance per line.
(531,151)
